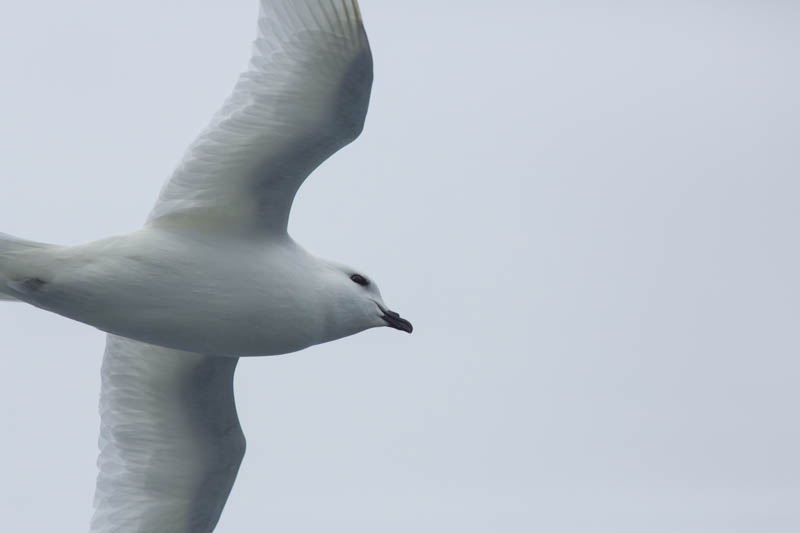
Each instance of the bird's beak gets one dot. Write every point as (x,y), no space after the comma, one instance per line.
(395,321)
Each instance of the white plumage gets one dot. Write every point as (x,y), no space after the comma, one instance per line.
(170,440)
(213,275)
(304,97)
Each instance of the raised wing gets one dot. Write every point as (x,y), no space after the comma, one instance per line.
(170,440)
(304,96)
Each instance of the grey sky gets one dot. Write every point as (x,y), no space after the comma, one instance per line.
(590,214)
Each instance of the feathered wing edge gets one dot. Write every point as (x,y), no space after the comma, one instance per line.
(304,96)
(170,440)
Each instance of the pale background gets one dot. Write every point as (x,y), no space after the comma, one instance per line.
(589,210)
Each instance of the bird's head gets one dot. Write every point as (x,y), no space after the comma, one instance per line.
(357,303)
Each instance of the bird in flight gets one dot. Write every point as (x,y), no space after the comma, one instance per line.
(213,274)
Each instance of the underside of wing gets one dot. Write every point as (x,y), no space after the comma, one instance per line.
(304,96)
(170,440)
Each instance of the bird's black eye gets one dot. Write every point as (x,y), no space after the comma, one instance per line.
(361,280)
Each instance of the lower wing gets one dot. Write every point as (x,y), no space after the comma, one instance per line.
(170,439)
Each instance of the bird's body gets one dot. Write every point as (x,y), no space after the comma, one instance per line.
(190,290)
(214,275)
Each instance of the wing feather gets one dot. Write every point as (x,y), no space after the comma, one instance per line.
(170,440)
(304,96)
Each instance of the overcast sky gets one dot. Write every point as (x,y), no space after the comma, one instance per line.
(589,210)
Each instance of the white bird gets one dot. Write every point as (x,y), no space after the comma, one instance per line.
(213,274)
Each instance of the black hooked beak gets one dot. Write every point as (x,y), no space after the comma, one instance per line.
(394,321)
